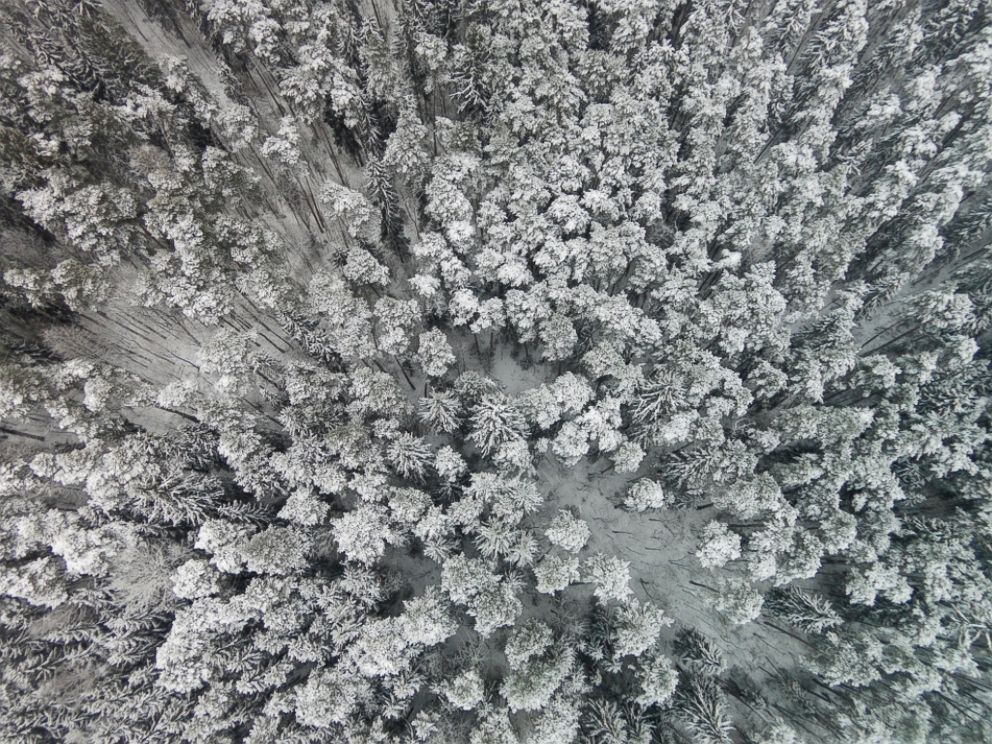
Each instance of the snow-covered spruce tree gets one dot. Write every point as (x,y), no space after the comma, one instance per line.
(409,372)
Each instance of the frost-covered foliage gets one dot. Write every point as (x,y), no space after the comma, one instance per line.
(568,532)
(719,545)
(506,372)
(645,494)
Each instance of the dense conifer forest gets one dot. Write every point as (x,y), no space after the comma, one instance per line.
(495,371)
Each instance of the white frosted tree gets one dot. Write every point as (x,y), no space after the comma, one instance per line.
(441,411)
(645,494)
(465,691)
(739,601)
(609,575)
(556,572)
(637,626)
(362,268)
(568,531)
(528,640)
(434,353)
(657,678)
(362,534)
(284,145)
(494,421)
(719,545)
(395,323)
(628,457)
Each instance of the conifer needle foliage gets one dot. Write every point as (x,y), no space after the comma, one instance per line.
(495,371)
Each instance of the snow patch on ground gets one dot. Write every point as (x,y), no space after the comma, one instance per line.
(660,546)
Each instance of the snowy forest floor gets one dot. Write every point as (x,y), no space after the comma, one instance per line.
(660,545)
